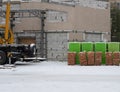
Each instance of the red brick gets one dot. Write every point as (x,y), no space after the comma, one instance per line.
(116,61)
(98,58)
(71,55)
(116,55)
(71,61)
(71,58)
(109,58)
(82,58)
(91,57)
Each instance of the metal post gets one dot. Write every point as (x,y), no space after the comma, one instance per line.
(12,19)
(42,34)
(46,44)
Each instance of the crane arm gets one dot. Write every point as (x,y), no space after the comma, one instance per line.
(8,34)
(7,22)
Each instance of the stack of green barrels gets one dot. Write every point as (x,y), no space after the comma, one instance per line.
(94,46)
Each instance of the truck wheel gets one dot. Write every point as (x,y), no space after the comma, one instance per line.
(2,57)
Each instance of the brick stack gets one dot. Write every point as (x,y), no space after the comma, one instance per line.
(109,60)
(94,58)
(116,58)
(82,58)
(71,58)
(98,58)
(90,56)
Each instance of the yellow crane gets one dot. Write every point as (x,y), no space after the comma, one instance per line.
(8,37)
(9,52)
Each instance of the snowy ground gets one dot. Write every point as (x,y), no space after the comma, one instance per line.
(59,77)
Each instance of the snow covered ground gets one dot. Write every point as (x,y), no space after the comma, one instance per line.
(51,76)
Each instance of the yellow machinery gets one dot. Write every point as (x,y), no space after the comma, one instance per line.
(9,52)
(8,37)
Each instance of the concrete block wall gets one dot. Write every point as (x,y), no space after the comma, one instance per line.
(57,46)
(57,43)
(85,19)
(85,3)
(56,16)
(93,4)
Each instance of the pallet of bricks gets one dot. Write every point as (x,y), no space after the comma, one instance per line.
(71,58)
(90,58)
(94,54)
(112,58)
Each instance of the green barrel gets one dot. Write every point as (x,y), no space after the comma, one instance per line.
(87,46)
(75,47)
(113,46)
(101,46)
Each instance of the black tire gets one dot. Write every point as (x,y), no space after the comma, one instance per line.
(2,57)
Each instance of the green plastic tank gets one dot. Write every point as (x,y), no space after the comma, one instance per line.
(101,46)
(87,46)
(113,46)
(75,47)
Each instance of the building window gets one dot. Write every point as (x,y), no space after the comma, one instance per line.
(93,37)
(56,16)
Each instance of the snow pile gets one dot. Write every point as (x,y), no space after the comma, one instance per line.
(59,77)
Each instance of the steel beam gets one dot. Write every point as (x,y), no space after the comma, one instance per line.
(24,13)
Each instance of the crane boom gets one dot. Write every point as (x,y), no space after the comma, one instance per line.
(7,24)
(8,34)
